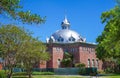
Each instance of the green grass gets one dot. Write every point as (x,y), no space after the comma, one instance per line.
(65,76)
(43,73)
(34,73)
(112,76)
(49,76)
(52,76)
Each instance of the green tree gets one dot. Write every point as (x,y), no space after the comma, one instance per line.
(32,54)
(13,9)
(17,45)
(11,38)
(109,41)
(67,60)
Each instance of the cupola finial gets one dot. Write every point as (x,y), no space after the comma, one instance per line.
(65,24)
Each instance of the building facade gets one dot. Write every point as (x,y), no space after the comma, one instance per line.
(67,40)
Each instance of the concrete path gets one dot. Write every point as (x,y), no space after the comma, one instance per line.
(82,76)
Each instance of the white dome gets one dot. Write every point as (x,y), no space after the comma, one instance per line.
(66,35)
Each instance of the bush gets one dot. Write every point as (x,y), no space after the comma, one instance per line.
(2,74)
(92,71)
(19,77)
(109,70)
(34,73)
(19,74)
(93,74)
(82,71)
(101,72)
(81,65)
(43,73)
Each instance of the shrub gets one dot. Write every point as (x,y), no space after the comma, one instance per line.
(82,71)
(92,71)
(43,73)
(93,74)
(20,77)
(2,74)
(81,65)
(19,74)
(109,70)
(34,73)
(101,72)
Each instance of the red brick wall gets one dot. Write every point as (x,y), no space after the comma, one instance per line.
(86,53)
(81,54)
(57,53)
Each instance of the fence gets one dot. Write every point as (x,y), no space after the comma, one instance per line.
(62,71)
(59,71)
(67,71)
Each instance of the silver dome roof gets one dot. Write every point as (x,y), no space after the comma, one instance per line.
(68,36)
(65,35)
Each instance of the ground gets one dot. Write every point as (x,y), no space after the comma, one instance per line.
(70,76)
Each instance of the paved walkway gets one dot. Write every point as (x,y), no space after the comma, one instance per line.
(83,76)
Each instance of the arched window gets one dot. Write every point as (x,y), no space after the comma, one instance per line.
(59,63)
(93,63)
(60,39)
(88,62)
(97,64)
(71,39)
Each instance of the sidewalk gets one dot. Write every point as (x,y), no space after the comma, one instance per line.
(82,76)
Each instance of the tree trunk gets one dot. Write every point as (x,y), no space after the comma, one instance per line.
(30,76)
(10,74)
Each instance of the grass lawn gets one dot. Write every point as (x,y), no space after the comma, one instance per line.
(52,76)
(66,76)
(39,75)
(49,76)
(112,76)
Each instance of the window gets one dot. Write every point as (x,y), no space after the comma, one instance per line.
(83,48)
(88,62)
(97,64)
(59,63)
(60,39)
(81,39)
(58,49)
(64,27)
(65,50)
(71,39)
(72,49)
(89,49)
(75,49)
(93,63)
(93,50)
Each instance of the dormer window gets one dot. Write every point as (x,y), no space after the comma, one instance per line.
(81,39)
(64,27)
(60,39)
(71,39)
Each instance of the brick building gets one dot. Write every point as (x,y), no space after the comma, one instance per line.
(67,40)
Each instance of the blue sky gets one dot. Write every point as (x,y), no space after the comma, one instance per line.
(84,16)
